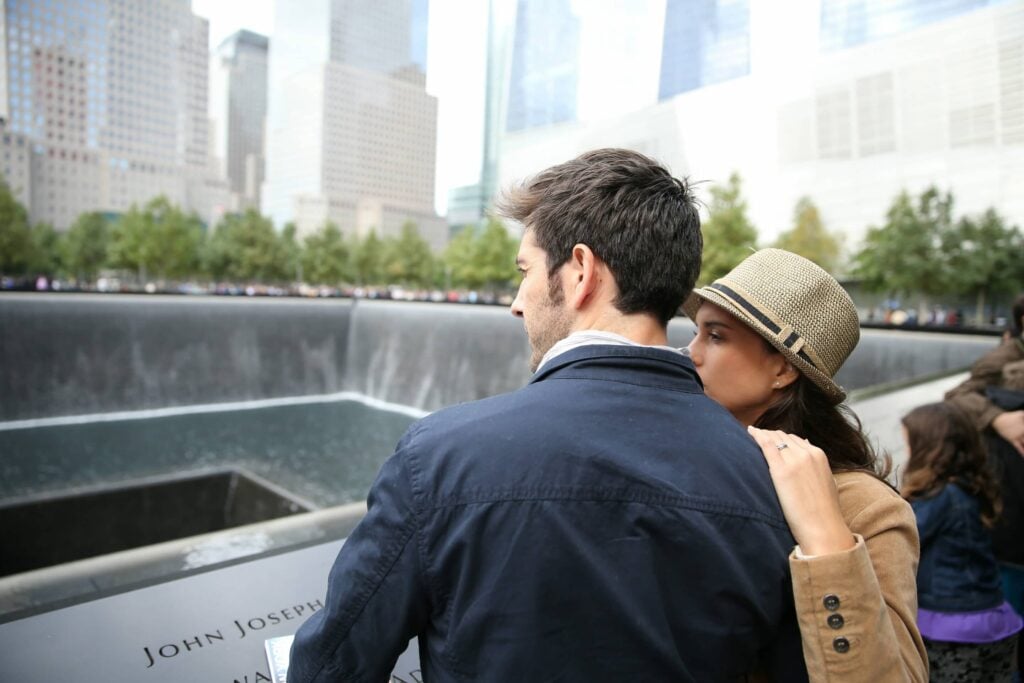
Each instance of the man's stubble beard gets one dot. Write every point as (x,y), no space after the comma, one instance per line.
(554,323)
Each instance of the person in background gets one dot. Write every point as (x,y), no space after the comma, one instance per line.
(993,396)
(990,371)
(771,336)
(969,629)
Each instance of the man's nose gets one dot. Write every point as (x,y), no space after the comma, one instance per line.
(516,307)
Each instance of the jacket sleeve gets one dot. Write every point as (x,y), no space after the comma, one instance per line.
(872,635)
(986,371)
(376,597)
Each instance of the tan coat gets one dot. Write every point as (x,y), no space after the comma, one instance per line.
(876,587)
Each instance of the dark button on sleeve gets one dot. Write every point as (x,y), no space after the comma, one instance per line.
(835,621)
(841,645)
(831,602)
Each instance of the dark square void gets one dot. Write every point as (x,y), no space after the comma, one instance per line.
(46,530)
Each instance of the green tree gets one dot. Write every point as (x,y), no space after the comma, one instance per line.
(496,253)
(984,258)
(44,253)
(245,247)
(292,251)
(729,236)
(903,256)
(368,259)
(131,243)
(460,260)
(325,257)
(408,259)
(809,238)
(484,258)
(85,246)
(158,239)
(15,235)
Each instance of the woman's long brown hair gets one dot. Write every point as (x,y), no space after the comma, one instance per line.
(945,448)
(804,409)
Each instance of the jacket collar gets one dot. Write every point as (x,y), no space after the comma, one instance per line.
(658,367)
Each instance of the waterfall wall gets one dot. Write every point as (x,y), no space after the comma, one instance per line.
(83,354)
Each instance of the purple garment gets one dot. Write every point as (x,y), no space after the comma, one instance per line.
(985,626)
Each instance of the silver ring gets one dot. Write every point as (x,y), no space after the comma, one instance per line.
(781,445)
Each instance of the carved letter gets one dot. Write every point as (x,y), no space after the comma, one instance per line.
(188,643)
(174,650)
(240,629)
(315,605)
(210,636)
(286,614)
(274,619)
(148,656)
(256,620)
(299,609)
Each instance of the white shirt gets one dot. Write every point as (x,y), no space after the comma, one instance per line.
(592,337)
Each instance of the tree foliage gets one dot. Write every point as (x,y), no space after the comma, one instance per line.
(729,236)
(44,250)
(15,235)
(483,258)
(368,260)
(85,246)
(984,257)
(158,239)
(904,255)
(809,238)
(326,259)
(408,259)
(245,247)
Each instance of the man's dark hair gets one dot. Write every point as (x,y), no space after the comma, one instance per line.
(630,211)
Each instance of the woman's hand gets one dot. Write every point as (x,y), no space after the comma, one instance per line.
(807,492)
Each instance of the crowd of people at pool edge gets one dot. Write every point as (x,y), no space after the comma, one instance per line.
(639,512)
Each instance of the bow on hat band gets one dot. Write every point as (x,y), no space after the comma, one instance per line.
(792,341)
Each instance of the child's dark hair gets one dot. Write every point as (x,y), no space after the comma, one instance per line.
(945,448)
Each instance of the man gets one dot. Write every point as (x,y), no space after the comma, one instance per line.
(607,522)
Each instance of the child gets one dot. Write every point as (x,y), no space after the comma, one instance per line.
(969,630)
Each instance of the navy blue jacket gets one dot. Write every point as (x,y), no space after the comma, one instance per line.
(607,522)
(958,570)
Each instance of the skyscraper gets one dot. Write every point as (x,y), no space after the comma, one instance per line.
(351,129)
(110,95)
(705,42)
(239,108)
(545,65)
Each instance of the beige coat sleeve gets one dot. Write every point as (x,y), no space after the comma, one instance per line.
(858,609)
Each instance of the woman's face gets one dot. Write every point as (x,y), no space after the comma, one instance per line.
(735,364)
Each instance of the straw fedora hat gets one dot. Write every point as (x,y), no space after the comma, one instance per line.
(796,306)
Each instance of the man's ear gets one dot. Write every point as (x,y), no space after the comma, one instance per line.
(583,269)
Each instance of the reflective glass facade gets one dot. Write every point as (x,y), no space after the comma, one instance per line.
(545,65)
(848,23)
(705,42)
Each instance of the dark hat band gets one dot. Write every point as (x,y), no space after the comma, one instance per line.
(752,310)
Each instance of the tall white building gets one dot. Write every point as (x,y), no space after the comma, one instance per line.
(846,102)
(238,109)
(111,97)
(351,131)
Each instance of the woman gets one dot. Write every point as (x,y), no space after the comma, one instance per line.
(770,337)
(969,628)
